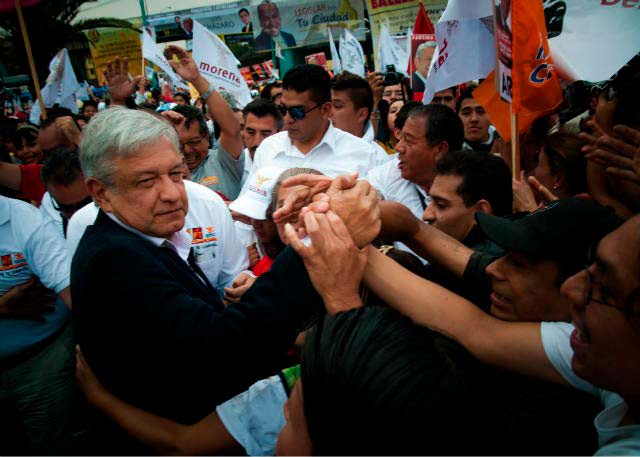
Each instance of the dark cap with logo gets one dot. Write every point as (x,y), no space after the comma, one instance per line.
(564,229)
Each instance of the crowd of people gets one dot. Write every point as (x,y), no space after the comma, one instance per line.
(332,269)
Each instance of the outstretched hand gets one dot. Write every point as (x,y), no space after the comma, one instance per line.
(85,378)
(333,261)
(117,77)
(29,300)
(183,64)
(620,156)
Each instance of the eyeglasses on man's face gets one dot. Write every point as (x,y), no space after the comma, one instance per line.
(296,112)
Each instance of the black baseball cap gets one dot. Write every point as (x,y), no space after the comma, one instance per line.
(564,229)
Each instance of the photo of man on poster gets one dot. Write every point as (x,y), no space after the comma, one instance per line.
(245,17)
(270,21)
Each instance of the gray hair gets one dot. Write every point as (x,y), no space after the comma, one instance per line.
(283,176)
(422,46)
(120,132)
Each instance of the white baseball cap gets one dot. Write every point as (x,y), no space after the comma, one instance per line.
(257,198)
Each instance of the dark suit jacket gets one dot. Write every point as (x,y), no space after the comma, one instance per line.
(159,338)
(263,41)
(416,83)
(247,28)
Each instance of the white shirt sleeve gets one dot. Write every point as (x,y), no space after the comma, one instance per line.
(255,417)
(46,254)
(555,340)
(78,223)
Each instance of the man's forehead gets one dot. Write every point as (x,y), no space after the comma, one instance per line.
(469,103)
(291,97)
(445,186)
(260,123)
(619,251)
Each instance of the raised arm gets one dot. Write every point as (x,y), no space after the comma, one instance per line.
(219,109)
(513,346)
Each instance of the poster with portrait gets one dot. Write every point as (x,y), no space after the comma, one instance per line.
(399,16)
(303,22)
(504,61)
(423,46)
(221,19)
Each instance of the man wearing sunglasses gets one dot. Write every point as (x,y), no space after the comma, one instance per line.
(309,139)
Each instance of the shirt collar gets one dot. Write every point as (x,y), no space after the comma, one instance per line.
(180,240)
(329,138)
(369,134)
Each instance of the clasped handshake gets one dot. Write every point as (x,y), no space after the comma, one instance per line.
(330,222)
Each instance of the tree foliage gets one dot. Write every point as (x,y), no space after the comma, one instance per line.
(50,28)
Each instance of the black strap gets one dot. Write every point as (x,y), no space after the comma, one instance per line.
(423,201)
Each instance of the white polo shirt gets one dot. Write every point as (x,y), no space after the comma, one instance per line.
(30,246)
(337,153)
(613,438)
(48,212)
(388,180)
(208,223)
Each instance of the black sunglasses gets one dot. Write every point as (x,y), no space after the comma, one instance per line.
(296,112)
(71,207)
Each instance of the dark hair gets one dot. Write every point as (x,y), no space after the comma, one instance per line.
(89,103)
(403,113)
(61,166)
(484,176)
(204,104)
(243,10)
(184,95)
(357,88)
(312,78)
(266,90)
(442,125)
(374,383)
(261,108)
(27,132)
(465,94)
(53,114)
(625,85)
(192,114)
(564,154)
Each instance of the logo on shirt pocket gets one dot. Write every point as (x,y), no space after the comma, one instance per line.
(12,261)
(209,181)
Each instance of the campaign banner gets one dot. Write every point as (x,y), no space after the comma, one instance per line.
(303,22)
(221,19)
(258,73)
(466,48)
(61,88)
(218,64)
(105,44)
(592,40)
(399,15)
(503,36)
(152,53)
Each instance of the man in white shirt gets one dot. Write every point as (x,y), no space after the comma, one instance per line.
(261,120)
(428,132)
(351,106)
(36,348)
(66,191)
(310,140)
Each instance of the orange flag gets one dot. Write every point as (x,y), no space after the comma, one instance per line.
(535,86)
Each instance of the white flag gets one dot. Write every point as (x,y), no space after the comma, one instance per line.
(335,57)
(152,53)
(218,64)
(278,51)
(466,49)
(351,54)
(61,87)
(591,40)
(391,51)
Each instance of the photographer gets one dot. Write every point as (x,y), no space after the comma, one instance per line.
(387,87)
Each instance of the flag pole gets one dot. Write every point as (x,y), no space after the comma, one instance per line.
(32,65)
(515,146)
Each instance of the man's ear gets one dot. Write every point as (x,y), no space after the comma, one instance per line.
(362,115)
(326,109)
(99,192)
(483,206)
(441,149)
